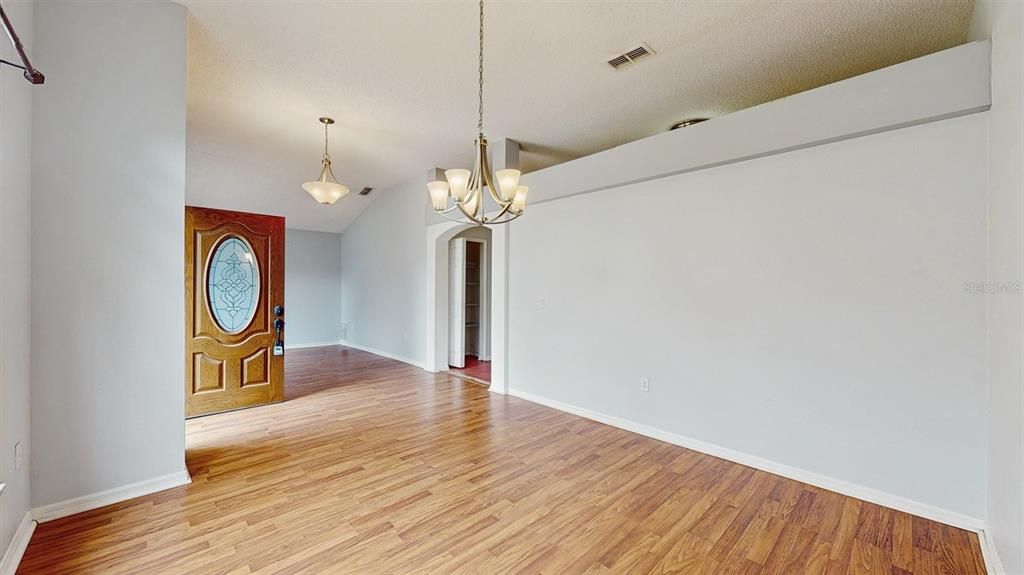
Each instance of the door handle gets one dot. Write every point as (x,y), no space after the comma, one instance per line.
(278,340)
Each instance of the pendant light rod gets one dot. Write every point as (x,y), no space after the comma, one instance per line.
(480,87)
(326,122)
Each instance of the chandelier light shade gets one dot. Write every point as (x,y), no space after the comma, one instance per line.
(326,189)
(464,190)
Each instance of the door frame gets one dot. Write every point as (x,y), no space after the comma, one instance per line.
(437,238)
(484,344)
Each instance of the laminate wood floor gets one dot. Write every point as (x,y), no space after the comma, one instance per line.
(373,466)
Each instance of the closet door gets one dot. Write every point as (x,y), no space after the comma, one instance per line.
(457,302)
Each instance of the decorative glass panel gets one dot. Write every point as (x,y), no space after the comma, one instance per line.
(233,284)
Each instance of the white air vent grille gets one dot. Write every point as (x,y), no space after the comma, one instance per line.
(630,56)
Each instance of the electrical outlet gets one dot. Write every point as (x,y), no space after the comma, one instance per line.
(19,456)
(645,384)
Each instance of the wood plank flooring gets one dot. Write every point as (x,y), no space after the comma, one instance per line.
(372,466)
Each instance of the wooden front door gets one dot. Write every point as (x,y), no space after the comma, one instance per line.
(234,314)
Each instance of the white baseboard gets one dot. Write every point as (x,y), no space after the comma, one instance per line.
(383,353)
(314,344)
(860,492)
(109,497)
(12,557)
(993,565)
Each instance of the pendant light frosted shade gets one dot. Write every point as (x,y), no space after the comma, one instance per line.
(459,182)
(507,182)
(438,194)
(519,199)
(326,188)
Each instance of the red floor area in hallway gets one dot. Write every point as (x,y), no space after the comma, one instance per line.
(476,369)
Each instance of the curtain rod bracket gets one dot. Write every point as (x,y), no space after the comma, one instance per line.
(31,74)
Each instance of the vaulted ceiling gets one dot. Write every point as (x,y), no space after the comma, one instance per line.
(400,79)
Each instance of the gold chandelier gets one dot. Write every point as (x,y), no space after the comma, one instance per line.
(466,188)
(326,189)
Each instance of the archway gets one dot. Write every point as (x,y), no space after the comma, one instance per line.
(438,236)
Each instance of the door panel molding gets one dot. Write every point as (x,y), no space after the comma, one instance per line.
(206,371)
(254,368)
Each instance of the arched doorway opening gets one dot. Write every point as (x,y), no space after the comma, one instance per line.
(439,237)
(469,309)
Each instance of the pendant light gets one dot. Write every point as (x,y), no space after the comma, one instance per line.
(326,189)
(466,188)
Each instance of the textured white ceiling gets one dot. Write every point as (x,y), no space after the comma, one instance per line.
(400,79)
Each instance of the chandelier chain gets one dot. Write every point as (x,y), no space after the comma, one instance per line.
(480,91)
(468,187)
(327,155)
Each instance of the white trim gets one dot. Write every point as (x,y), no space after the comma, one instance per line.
(438,236)
(839,486)
(498,346)
(383,353)
(19,543)
(993,564)
(314,344)
(483,343)
(109,497)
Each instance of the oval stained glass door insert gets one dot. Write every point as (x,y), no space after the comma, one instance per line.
(233,284)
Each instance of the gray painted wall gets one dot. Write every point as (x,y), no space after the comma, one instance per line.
(312,288)
(383,272)
(15,193)
(1003,22)
(108,179)
(807,308)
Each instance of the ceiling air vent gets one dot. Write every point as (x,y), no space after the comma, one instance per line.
(630,56)
(365,191)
